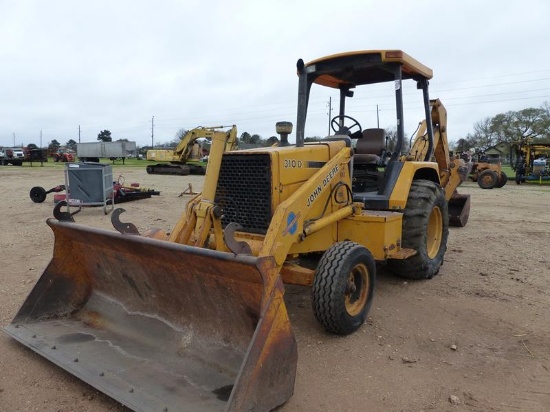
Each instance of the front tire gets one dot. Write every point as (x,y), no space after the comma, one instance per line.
(425,229)
(343,287)
(488,179)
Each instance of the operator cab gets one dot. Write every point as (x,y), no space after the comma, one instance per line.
(370,152)
(375,164)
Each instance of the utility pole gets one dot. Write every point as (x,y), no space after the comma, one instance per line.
(78,133)
(40,151)
(329,113)
(152,132)
(14,140)
(377,118)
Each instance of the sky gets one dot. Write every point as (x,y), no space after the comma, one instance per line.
(146,69)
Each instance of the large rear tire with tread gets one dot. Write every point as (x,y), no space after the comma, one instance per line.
(425,229)
(343,287)
(488,179)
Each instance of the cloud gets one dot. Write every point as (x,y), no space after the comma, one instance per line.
(115,65)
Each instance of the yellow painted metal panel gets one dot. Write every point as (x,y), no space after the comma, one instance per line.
(379,232)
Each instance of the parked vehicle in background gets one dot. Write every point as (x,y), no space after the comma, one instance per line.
(530,161)
(93,151)
(10,155)
(64,155)
(488,175)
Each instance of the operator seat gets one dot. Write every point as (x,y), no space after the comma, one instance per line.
(369,148)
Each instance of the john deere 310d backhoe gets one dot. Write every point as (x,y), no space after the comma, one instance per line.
(195,319)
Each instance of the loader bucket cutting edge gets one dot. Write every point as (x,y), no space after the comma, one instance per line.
(161,326)
(459,210)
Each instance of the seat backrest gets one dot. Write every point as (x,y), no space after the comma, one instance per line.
(372,142)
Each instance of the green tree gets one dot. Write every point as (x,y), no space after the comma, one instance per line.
(271,141)
(105,136)
(532,123)
(71,144)
(54,145)
(485,135)
(245,138)
(256,139)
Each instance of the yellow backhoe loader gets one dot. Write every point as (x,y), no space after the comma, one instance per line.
(195,319)
(188,157)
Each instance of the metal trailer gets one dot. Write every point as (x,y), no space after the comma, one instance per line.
(93,151)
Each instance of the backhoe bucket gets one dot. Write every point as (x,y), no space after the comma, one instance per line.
(159,326)
(459,210)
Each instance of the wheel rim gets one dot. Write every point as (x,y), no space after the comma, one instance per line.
(435,229)
(487,180)
(356,292)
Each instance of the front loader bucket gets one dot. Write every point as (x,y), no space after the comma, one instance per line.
(160,326)
(459,210)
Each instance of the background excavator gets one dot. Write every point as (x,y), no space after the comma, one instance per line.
(195,319)
(187,157)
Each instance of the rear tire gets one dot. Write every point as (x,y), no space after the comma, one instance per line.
(488,179)
(343,287)
(502,180)
(425,229)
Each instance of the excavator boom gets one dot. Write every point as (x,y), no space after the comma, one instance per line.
(187,158)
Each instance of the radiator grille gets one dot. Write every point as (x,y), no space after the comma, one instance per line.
(244,191)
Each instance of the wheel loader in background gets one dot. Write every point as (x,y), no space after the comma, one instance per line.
(487,175)
(187,158)
(195,319)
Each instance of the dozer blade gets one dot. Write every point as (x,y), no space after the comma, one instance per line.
(160,326)
(459,210)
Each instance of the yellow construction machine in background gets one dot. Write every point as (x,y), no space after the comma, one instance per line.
(189,157)
(195,319)
(488,175)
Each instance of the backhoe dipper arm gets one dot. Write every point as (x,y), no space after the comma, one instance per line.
(452,172)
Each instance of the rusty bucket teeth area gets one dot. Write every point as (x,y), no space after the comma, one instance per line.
(161,326)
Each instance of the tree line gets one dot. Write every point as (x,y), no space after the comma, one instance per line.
(512,126)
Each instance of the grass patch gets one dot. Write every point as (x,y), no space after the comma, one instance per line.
(118,163)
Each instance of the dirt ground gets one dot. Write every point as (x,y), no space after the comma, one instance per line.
(474,338)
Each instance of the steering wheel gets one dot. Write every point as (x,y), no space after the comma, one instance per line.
(335,125)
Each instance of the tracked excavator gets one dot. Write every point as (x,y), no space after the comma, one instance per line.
(195,319)
(187,158)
